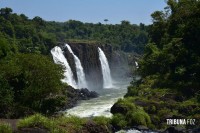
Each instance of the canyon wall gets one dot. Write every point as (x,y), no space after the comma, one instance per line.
(89,57)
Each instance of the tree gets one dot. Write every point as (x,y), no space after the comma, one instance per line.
(33,78)
(175,57)
(106,20)
(5,12)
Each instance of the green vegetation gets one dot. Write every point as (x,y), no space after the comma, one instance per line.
(39,121)
(170,68)
(71,123)
(64,124)
(5,128)
(119,121)
(101,120)
(36,120)
(127,114)
(169,85)
(36,35)
(27,84)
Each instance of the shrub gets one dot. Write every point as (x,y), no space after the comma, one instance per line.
(71,122)
(53,104)
(138,117)
(132,91)
(127,103)
(40,121)
(101,120)
(164,114)
(5,128)
(118,121)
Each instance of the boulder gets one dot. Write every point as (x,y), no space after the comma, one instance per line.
(118,108)
(75,95)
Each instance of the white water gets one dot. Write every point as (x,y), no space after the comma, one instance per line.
(101,105)
(79,70)
(59,58)
(107,80)
(129,131)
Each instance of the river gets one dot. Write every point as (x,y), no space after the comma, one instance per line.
(101,105)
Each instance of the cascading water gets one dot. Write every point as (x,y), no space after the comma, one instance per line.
(59,58)
(79,70)
(107,80)
(101,105)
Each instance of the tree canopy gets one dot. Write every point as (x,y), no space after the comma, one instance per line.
(39,36)
(28,80)
(173,53)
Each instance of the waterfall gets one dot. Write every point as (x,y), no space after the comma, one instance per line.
(107,80)
(59,58)
(79,70)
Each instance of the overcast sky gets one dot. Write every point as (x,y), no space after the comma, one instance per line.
(93,11)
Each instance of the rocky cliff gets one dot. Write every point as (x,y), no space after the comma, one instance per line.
(89,57)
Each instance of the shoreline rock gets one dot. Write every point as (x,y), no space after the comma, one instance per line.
(75,95)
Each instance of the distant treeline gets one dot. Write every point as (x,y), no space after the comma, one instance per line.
(39,36)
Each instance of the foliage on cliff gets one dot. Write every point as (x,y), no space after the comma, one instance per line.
(170,68)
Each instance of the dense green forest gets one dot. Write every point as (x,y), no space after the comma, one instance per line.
(170,70)
(39,36)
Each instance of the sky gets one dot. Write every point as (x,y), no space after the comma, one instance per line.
(92,11)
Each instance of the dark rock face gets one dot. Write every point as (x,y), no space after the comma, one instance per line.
(89,57)
(118,108)
(75,95)
(85,94)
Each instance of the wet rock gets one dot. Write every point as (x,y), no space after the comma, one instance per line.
(85,94)
(75,95)
(118,108)
(142,128)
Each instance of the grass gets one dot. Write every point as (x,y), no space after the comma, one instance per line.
(101,120)
(118,121)
(36,120)
(71,123)
(39,121)
(5,128)
(62,124)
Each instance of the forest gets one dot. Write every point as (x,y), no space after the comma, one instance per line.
(169,68)
(170,71)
